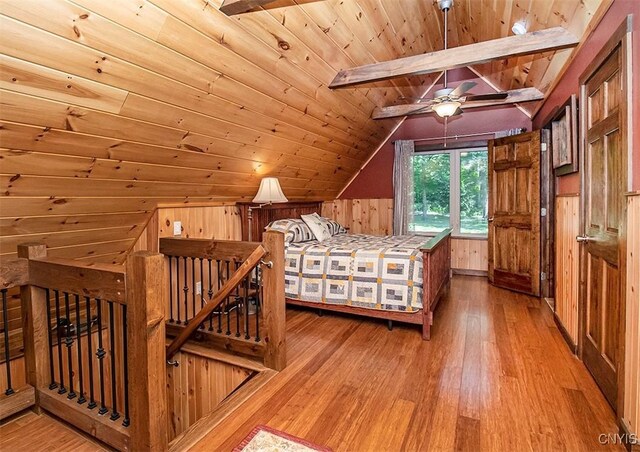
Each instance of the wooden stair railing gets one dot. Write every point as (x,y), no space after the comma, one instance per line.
(106,373)
(232,283)
(237,271)
(18,394)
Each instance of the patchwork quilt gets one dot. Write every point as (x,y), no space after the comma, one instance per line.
(383,273)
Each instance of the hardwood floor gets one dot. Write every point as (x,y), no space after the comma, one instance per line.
(496,375)
(30,432)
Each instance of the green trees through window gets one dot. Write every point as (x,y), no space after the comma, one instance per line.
(450,190)
(431,192)
(474,202)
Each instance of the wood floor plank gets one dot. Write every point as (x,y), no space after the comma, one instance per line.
(495,376)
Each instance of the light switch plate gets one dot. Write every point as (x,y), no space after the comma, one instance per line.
(198,288)
(177,228)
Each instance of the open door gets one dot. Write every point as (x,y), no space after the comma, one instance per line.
(604,181)
(514,212)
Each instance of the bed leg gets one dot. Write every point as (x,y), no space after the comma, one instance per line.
(426,327)
(319,312)
(390,325)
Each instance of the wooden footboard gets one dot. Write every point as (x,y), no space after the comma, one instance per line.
(436,268)
(436,276)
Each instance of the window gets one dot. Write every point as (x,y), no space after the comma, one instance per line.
(450,190)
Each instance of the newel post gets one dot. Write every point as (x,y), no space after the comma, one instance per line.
(273,302)
(35,325)
(145,282)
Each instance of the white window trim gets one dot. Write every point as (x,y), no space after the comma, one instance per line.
(454,191)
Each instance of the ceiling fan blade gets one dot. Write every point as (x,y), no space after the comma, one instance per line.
(480,52)
(462,88)
(513,96)
(393,111)
(494,96)
(417,100)
(457,112)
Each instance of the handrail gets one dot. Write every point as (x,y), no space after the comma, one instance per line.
(102,281)
(129,314)
(435,241)
(240,274)
(206,248)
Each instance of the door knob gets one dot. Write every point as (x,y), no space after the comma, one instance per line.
(584,238)
(490,219)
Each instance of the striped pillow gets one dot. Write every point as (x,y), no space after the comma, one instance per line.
(334,227)
(295,230)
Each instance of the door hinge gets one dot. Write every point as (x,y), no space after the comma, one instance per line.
(543,276)
(543,212)
(543,147)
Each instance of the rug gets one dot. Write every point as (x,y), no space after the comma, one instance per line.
(267,439)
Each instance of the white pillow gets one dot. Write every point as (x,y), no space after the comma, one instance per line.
(318,225)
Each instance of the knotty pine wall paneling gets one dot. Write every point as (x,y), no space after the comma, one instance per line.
(567,263)
(631,416)
(221,222)
(196,387)
(111,108)
(362,216)
(470,256)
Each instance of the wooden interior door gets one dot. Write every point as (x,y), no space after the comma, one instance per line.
(514,212)
(605,176)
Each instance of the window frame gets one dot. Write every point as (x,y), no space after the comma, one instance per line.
(454,190)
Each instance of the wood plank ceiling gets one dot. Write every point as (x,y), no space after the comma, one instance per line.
(109,108)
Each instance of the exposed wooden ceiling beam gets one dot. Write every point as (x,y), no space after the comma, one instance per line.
(481,52)
(231,7)
(515,96)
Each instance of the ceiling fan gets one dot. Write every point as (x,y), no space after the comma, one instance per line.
(448,101)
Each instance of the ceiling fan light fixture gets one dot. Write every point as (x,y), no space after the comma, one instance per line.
(519,28)
(447,108)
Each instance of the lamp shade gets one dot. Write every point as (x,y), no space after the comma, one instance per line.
(446,109)
(269,191)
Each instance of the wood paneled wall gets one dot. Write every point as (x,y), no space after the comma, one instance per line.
(217,222)
(109,108)
(196,387)
(469,256)
(567,263)
(632,341)
(362,216)
(375,217)
(222,222)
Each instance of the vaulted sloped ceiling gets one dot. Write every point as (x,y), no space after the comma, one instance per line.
(111,107)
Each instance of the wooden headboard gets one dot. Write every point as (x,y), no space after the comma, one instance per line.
(262,217)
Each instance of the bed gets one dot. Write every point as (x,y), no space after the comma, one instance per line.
(397,278)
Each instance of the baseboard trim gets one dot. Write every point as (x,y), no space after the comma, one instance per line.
(565,334)
(625,432)
(467,272)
